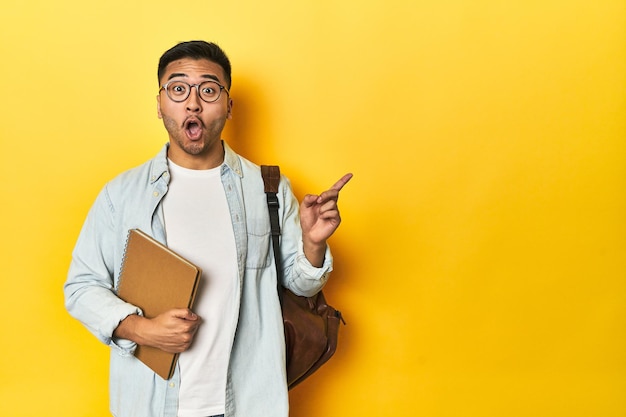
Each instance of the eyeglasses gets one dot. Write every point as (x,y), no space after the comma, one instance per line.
(178,91)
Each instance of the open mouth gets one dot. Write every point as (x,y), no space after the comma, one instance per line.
(193,128)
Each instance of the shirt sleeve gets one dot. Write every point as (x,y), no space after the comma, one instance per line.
(299,275)
(89,289)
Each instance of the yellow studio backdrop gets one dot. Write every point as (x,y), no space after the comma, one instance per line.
(481,263)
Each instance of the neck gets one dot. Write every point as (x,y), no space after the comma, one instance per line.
(206,160)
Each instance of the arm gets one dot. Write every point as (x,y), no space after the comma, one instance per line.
(90,289)
(306,270)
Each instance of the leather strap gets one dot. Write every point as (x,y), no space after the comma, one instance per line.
(271,179)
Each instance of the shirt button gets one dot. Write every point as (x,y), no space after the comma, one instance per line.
(156,193)
(172,385)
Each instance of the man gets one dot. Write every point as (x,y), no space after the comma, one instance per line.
(206,203)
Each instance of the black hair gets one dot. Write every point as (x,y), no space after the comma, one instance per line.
(196,50)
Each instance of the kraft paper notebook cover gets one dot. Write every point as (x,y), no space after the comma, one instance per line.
(156,279)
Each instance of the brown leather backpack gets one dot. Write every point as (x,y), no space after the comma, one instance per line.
(311,325)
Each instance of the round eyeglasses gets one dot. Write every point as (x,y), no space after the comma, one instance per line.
(178,91)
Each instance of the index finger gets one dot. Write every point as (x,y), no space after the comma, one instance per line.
(343,181)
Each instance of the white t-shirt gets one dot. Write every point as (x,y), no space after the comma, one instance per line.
(198,227)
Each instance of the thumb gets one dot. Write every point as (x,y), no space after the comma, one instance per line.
(309,200)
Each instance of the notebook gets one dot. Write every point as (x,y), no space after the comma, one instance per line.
(156,279)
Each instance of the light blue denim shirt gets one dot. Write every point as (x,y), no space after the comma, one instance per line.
(256,384)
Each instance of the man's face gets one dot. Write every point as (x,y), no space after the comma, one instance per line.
(194,126)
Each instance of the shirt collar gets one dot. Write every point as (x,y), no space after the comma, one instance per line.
(231,160)
(159,166)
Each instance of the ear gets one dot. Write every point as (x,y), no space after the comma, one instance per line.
(159,106)
(229,115)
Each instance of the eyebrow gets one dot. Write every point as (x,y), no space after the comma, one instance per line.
(182,74)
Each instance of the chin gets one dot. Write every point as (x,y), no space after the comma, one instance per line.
(194,149)
(191,148)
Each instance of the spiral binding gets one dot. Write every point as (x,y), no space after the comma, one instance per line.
(119,277)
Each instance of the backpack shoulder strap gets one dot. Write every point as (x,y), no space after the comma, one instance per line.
(271,179)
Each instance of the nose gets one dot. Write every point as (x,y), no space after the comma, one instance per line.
(194,103)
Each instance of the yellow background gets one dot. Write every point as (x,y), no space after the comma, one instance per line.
(481,264)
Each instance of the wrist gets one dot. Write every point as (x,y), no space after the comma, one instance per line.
(314,252)
(129,328)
